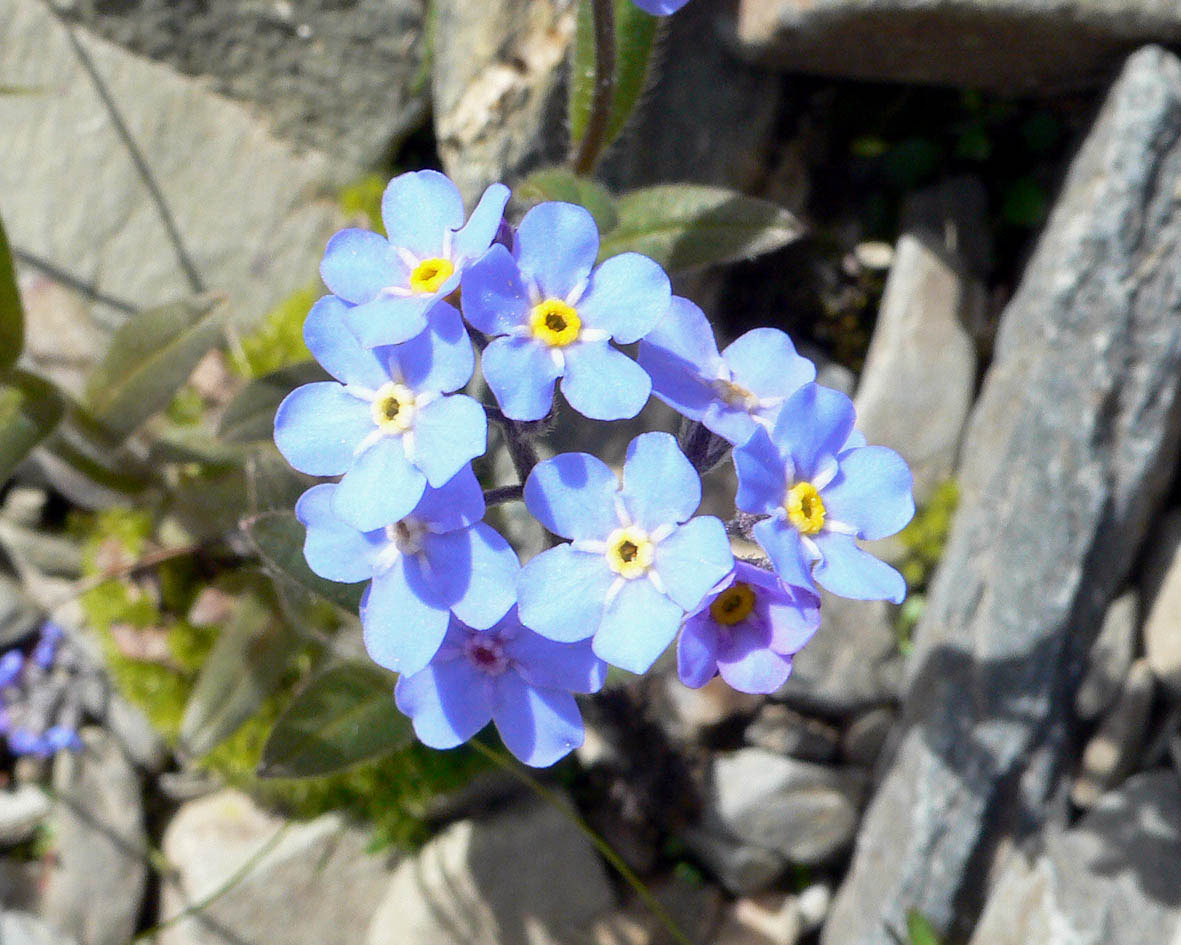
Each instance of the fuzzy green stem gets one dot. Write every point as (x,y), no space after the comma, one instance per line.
(594,138)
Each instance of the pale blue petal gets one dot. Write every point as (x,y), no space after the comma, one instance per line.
(573,495)
(735,425)
(333,548)
(402,625)
(660,7)
(628,295)
(560,593)
(380,488)
(318,427)
(693,559)
(336,348)
(521,375)
(448,434)
(765,362)
(539,726)
(849,571)
(448,702)
(681,357)
(480,230)
(748,665)
(660,485)
(604,384)
(762,478)
(872,492)
(697,651)
(494,299)
(389,320)
(786,551)
(358,264)
(440,358)
(556,247)
(418,208)
(814,424)
(474,571)
(546,664)
(638,625)
(457,503)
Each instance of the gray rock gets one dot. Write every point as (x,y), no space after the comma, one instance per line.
(134,184)
(527,877)
(317,873)
(770,919)
(18,615)
(1004,45)
(815,901)
(1068,451)
(1112,753)
(694,907)
(743,869)
(95,881)
(1110,658)
(921,361)
(863,740)
(783,731)
(21,810)
(20,928)
(1162,592)
(1112,880)
(688,713)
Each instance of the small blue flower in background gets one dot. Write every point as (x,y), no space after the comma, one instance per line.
(636,562)
(35,700)
(508,675)
(730,393)
(747,632)
(823,491)
(440,559)
(388,426)
(660,7)
(554,315)
(391,284)
(11,664)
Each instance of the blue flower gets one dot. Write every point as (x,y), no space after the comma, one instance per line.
(508,675)
(731,393)
(388,426)
(45,651)
(393,283)
(660,7)
(554,314)
(747,631)
(822,491)
(636,562)
(440,559)
(11,664)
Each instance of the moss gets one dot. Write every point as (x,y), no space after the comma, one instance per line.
(278,340)
(924,540)
(362,199)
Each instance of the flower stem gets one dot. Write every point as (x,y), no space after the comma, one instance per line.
(589,149)
(555,801)
(503,494)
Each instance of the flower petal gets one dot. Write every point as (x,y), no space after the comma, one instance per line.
(660,7)
(814,424)
(539,726)
(765,362)
(333,548)
(448,434)
(495,299)
(628,295)
(871,492)
(521,375)
(318,427)
(660,485)
(474,571)
(749,665)
(337,349)
(604,384)
(402,623)
(762,476)
(786,551)
(448,702)
(380,488)
(389,319)
(638,625)
(573,495)
(358,264)
(697,651)
(679,355)
(546,664)
(481,228)
(850,571)
(560,593)
(457,503)
(418,208)
(693,559)
(733,424)
(440,358)
(556,247)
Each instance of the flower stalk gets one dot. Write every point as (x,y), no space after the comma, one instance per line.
(587,152)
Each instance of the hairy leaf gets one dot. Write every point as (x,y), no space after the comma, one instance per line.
(12,318)
(556,183)
(251,415)
(30,409)
(278,537)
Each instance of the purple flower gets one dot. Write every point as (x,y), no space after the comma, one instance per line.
(11,664)
(747,631)
(731,393)
(509,675)
(440,559)
(391,284)
(45,651)
(660,7)
(821,494)
(637,561)
(389,426)
(554,315)
(24,741)
(61,738)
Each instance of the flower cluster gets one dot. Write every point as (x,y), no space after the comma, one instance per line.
(36,718)
(477,637)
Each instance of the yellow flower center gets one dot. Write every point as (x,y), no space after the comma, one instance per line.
(430,274)
(805,508)
(630,552)
(555,323)
(735,395)
(733,605)
(393,408)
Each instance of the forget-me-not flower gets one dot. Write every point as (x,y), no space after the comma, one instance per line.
(389,426)
(730,393)
(555,314)
(660,7)
(822,494)
(508,675)
(747,632)
(637,560)
(392,283)
(440,559)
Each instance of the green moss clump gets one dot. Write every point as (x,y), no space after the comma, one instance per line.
(924,540)
(278,340)
(362,198)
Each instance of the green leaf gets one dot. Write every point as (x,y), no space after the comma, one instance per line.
(245,666)
(687,225)
(919,930)
(150,358)
(251,415)
(12,318)
(30,409)
(345,716)
(278,538)
(582,73)
(556,183)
